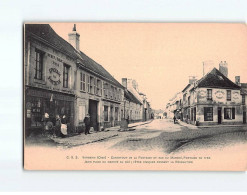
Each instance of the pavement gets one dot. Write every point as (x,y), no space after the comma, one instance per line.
(96,136)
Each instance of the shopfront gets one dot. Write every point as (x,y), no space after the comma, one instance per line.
(39,102)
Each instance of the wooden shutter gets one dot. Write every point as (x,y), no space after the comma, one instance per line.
(224,113)
(233,113)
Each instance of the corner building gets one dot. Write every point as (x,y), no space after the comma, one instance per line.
(60,79)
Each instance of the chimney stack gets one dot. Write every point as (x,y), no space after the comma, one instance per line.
(192,79)
(223,68)
(237,80)
(74,38)
(124,82)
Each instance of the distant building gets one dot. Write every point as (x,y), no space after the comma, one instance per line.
(132,86)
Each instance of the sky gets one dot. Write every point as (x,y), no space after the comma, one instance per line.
(162,56)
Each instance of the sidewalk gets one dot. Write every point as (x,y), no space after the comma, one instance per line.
(182,123)
(83,139)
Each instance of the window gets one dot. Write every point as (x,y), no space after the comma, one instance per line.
(111,92)
(208,113)
(228,96)
(243,99)
(189,100)
(88,83)
(65,75)
(91,89)
(82,81)
(99,87)
(209,94)
(229,113)
(38,64)
(105,113)
(105,90)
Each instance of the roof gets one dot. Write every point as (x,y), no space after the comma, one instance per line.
(216,79)
(130,97)
(243,88)
(47,34)
(186,87)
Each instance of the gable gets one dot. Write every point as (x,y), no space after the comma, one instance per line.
(215,79)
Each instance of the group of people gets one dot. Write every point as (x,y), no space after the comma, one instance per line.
(57,125)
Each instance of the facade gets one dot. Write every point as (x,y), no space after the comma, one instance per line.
(132,86)
(214,99)
(62,80)
(131,108)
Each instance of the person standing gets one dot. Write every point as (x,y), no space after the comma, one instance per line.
(174,119)
(87,124)
(57,126)
(64,128)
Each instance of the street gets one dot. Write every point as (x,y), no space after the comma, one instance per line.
(158,135)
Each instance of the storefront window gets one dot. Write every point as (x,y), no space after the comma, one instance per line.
(229,113)
(208,113)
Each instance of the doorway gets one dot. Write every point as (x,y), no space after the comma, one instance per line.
(93,111)
(111,117)
(219,115)
(244,117)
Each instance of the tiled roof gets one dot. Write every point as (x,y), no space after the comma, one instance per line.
(130,97)
(244,88)
(216,79)
(46,33)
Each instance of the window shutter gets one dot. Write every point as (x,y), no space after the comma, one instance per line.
(233,113)
(224,113)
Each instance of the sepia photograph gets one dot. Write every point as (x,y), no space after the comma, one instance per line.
(135,96)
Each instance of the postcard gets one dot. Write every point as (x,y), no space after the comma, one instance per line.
(135,96)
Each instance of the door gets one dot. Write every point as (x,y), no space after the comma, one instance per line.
(244,117)
(93,111)
(219,115)
(111,117)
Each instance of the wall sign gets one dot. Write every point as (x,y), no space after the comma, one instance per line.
(219,94)
(236,95)
(54,78)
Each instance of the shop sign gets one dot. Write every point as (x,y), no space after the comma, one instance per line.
(54,78)
(219,94)
(236,95)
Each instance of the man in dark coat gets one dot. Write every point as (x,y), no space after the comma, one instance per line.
(174,119)
(87,124)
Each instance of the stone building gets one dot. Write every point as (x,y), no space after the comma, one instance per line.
(59,79)
(146,111)
(213,99)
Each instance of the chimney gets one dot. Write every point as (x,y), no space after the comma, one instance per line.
(237,80)
(192,79)
(223,68)
(124,82)
(207,66)
(74,38)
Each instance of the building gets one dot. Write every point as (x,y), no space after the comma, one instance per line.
(131,108)
(211,100)
(61,80)
(132,86)
(243,93)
